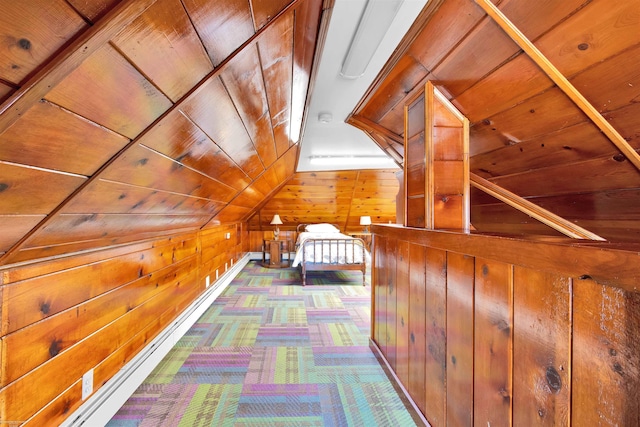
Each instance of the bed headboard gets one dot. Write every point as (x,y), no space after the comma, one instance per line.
(300,227)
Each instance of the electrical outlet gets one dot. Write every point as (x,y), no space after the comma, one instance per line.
(227,236)
(226,266)
(207,281)
(216,274)
(87,384)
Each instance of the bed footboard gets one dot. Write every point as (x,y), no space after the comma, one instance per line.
(333,254)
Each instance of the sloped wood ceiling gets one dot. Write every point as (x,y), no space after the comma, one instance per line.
(527,135)
(122,120)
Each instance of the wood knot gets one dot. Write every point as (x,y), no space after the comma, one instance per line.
(617,368)
(3,186)
(454,360)
(583,46)
(55,348)
(553,379)
(504,393)
(24,44)
(412,337)
(485,270)
(503,326)
(619,158)
(45,307)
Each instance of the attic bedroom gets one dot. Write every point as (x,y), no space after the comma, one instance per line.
(152,142)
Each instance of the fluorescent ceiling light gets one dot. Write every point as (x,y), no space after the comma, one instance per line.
(374,23)
(371,161)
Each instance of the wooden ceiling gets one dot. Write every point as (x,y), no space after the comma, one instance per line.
(122,120)
(530,134)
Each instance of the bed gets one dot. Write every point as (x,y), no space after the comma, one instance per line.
(321,247)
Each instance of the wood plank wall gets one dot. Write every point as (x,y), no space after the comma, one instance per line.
(488,331)
(97,310)
(336,197)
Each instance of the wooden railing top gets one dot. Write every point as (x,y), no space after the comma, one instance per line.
(610,264)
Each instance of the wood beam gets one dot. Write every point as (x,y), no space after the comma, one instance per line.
(69,59)
(552,220)
(367,125)
(560,80)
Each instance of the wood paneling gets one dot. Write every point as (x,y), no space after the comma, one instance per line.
(122,100)
(222,26)
(274,47)
(183,141)
(95,310)
(244,81)
(93,10)
(542,348)
(463,66)
(460,345)
(163,44)
(436,334)
(265,11)
(335,197)
(605,321)
(512,340)
(493,344)
(73,144)
(134,104)
(33,32)
(417,324)
(307,23)
(522,123)
(380,291)
(212,109)
(403,297)
(29,191)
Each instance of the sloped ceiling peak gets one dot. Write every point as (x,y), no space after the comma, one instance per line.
(155,119)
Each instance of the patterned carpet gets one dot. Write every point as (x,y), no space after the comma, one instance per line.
(270,352)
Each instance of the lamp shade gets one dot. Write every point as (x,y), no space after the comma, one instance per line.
(276,220)
(365,220)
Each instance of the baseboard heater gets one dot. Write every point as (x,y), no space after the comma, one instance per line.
(107,400)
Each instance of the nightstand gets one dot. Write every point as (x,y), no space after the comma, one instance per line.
(276,250)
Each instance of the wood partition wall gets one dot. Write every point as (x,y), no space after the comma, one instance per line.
(96,310)
(492,331)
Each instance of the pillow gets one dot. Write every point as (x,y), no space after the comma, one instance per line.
(321,228)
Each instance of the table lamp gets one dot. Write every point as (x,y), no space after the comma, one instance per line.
(366,221)
(276,221)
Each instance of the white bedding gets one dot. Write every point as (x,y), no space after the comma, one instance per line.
(346,251)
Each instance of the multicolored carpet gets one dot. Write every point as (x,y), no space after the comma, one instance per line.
(270,352)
